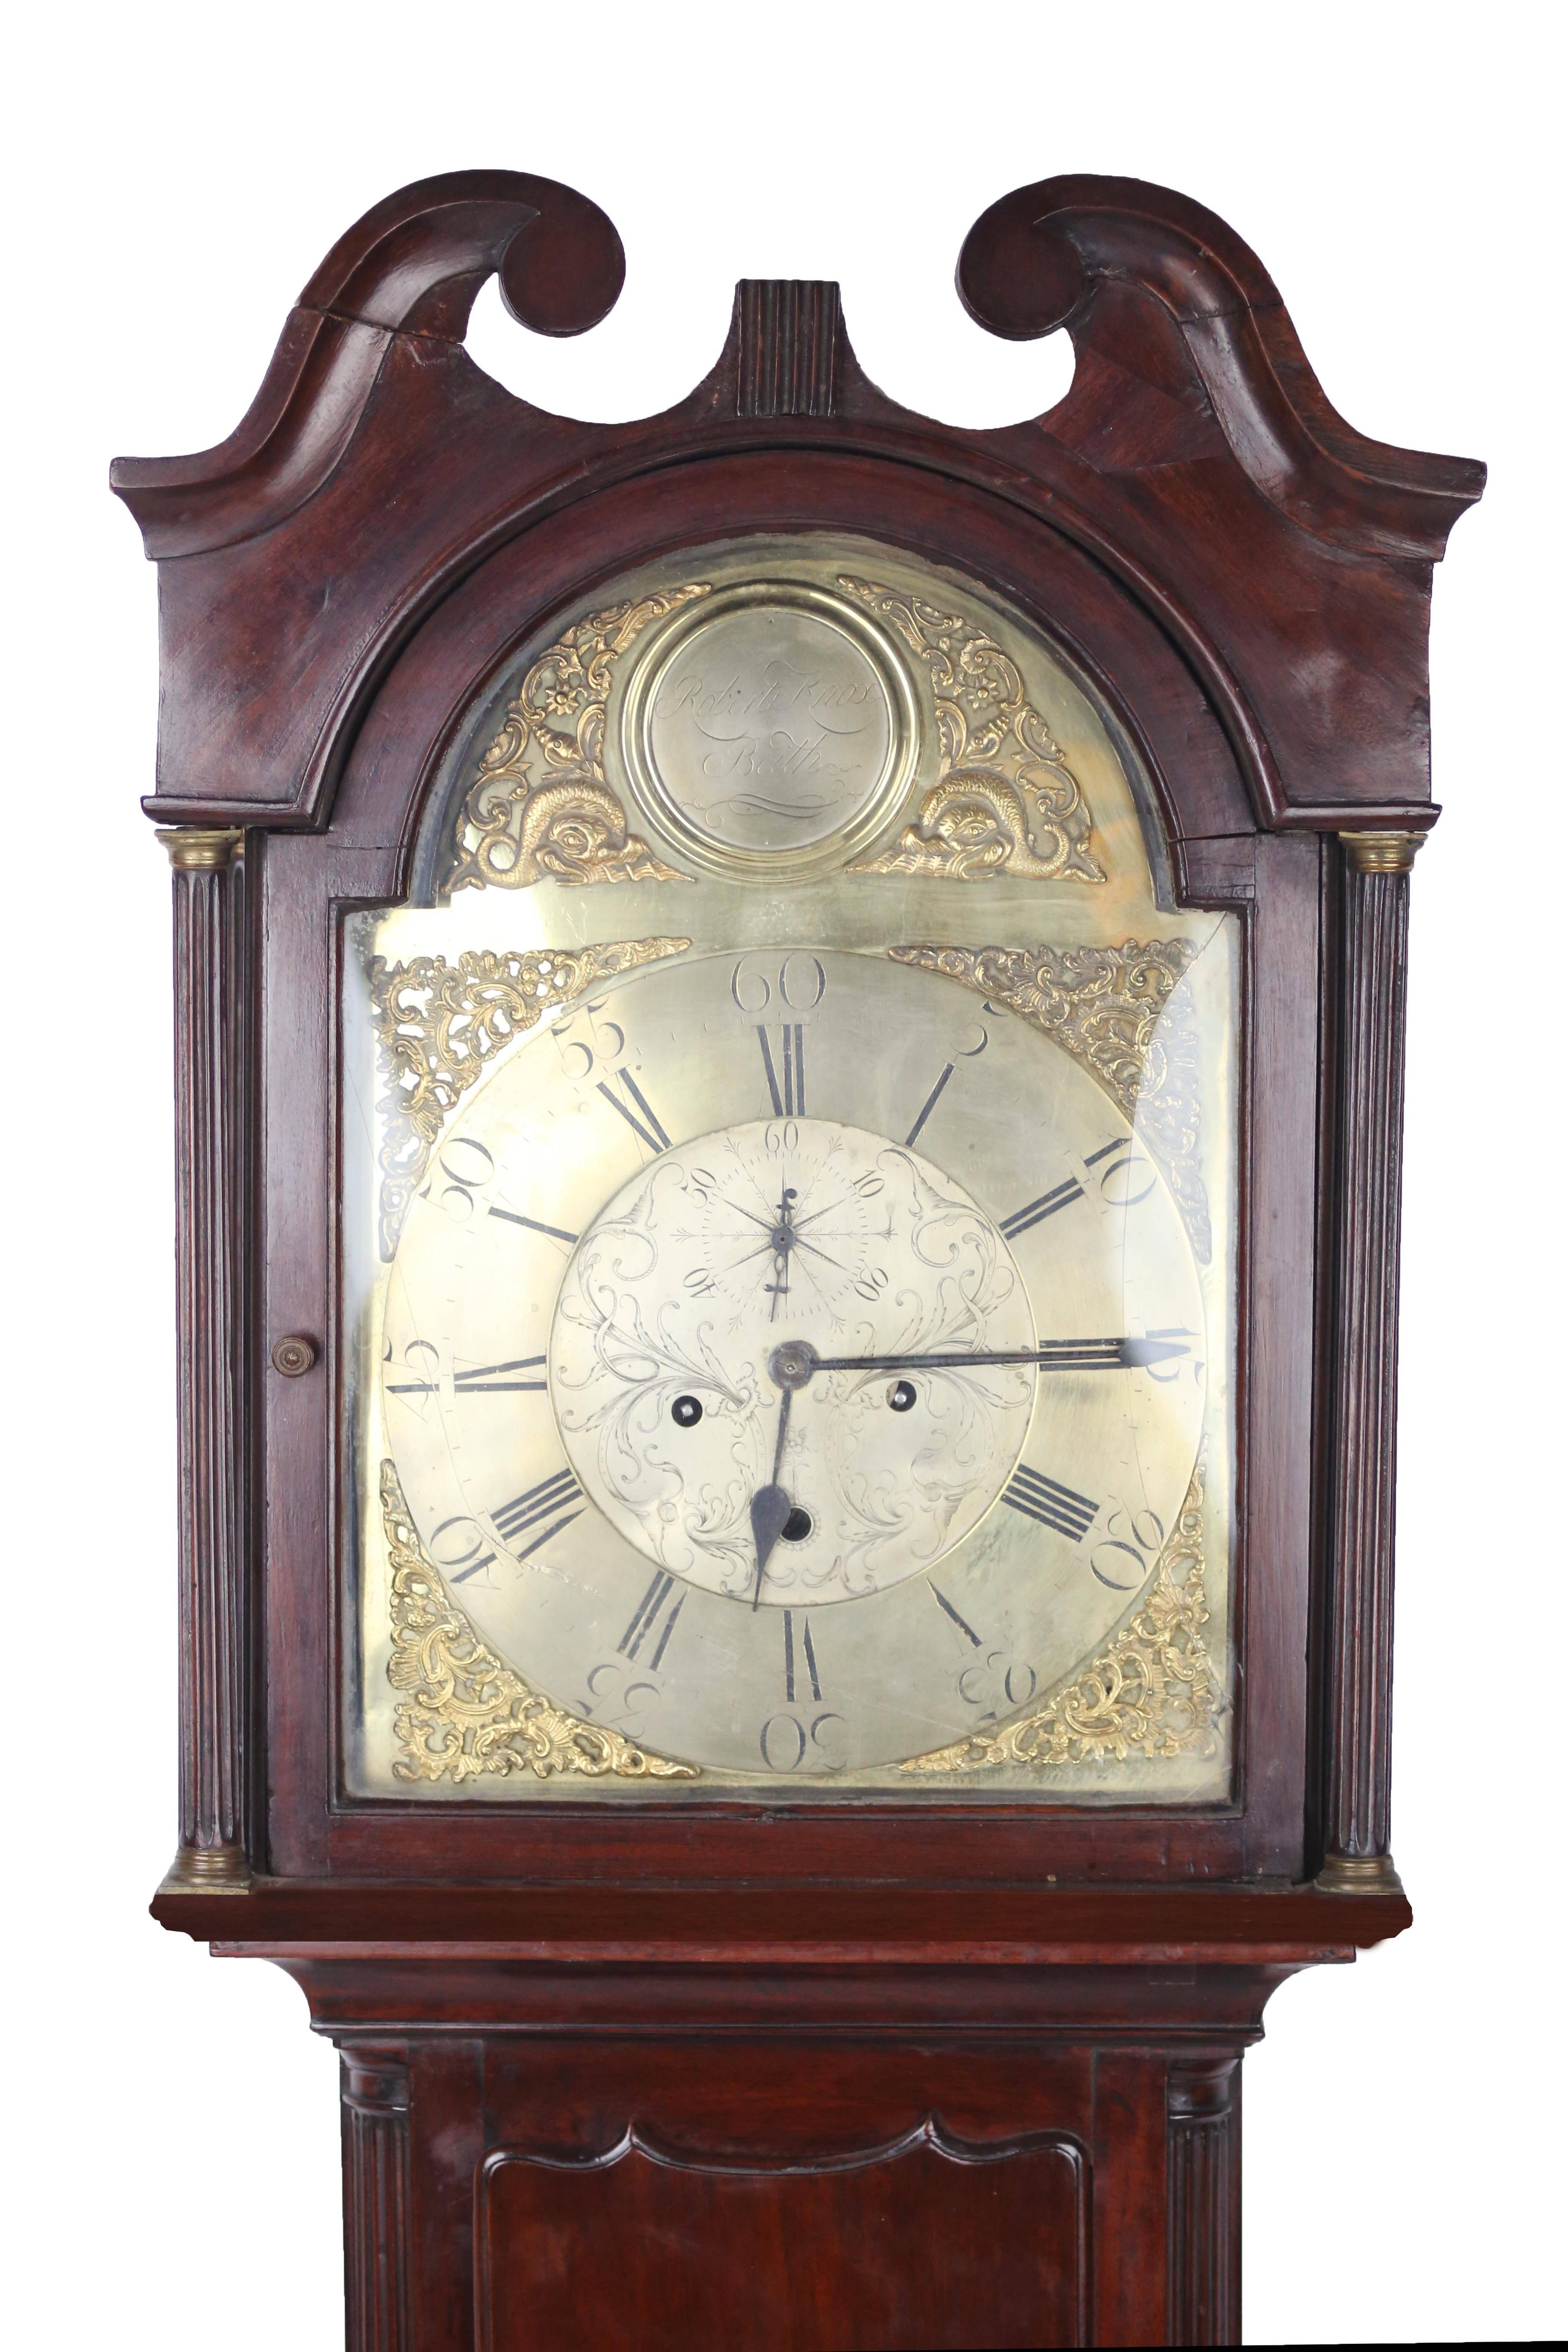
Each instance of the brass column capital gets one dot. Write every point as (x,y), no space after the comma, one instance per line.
(195,848)
(1382,853)
(1358,1874)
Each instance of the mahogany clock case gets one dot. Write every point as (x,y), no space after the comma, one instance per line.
(1243,583)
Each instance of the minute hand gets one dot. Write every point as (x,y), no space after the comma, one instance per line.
(1063,1355)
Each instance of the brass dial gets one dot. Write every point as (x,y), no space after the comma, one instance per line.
(793,1362)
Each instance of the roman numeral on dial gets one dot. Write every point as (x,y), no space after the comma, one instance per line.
(787,1075)
(490,1379)
(479,1380)
(652,1133)
(800,1658)
(649,1610)
(1054,1504)
(945,1605)
(552,1499)
(1034,1213)
(931,1102)
(513,1217)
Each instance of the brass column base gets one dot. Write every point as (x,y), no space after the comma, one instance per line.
(207,1870)
(1358,1874)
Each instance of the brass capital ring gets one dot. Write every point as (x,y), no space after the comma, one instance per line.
(1382,853)
(195,848)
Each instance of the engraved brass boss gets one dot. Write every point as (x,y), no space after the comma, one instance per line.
(770,730)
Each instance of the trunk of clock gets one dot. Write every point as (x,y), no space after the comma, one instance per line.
(796,2159)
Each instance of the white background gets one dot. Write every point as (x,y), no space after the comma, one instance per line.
(172,2123)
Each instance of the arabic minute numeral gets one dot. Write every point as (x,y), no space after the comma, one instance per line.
(463,1168)
(1128,1179)
(1002,1684)
(1130,1543)
(460,1548)
(587,1042)
(611,1698)
(800,984)
(785,1741)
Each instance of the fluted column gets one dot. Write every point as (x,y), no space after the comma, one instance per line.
(375,2089)
(1202,2159)
(1360,1660)
(212,1852)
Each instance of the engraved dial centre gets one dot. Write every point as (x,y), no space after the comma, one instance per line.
(715,1280)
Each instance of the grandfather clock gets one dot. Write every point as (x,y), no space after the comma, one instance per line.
(789,1035)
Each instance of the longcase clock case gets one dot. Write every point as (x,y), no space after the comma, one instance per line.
(931,2067)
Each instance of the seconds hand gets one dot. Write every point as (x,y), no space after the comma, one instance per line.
(782,1237)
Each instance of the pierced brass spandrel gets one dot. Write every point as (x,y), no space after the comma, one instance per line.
(439,1026)
(463,1713)
(540,806)
(1154,1691)
(1007,801)
(1109,1008)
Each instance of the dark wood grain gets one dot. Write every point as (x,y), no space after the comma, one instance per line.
(842,1920)
(787,331)
(930,2241)
(1148,691)
(376,2196)
(1178,417)
(1203,2105)
(214,1679)
(1358,1665)
(1101,256)
(819,2159)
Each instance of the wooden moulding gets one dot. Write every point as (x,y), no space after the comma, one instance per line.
(1359,1662)
(1203,2108)
(882,1924)
(786,2159)
(1195,456)
(213,1851)
(375,2095)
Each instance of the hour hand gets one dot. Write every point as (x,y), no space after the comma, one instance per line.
(771,1506)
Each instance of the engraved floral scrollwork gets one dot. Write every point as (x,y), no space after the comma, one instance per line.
(540,804)
(1007,801)
(1154,1691)
(463,1714)
(439,1025)
(1121,1013)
